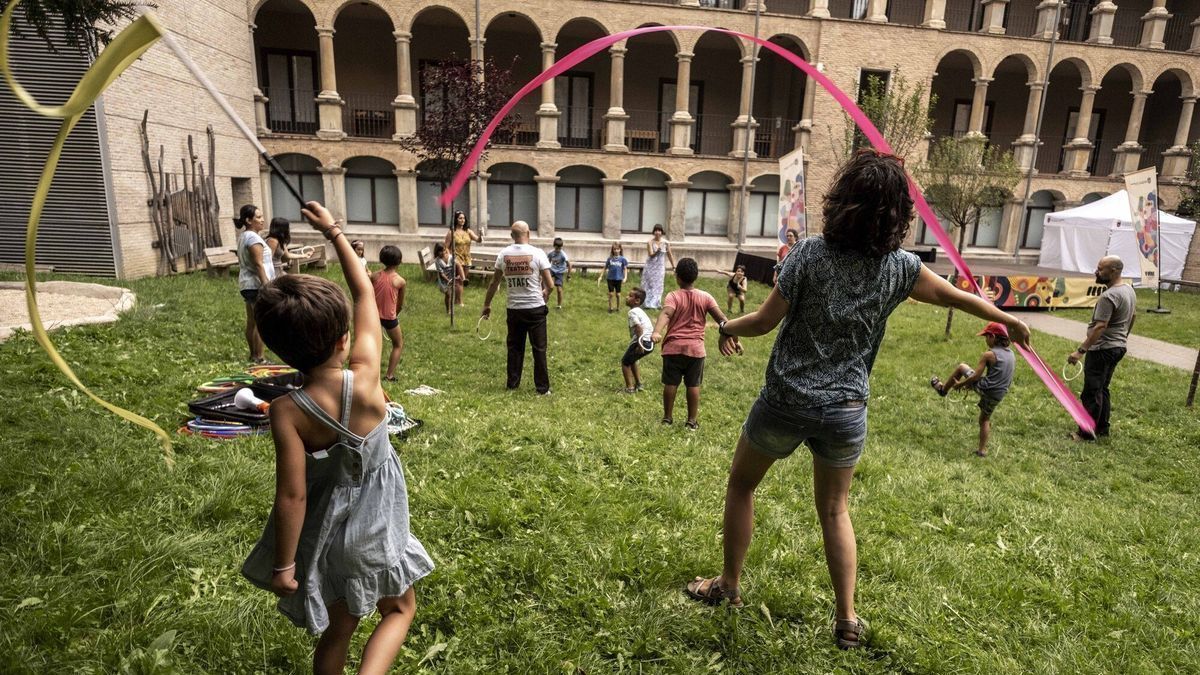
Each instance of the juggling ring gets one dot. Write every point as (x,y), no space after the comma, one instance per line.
(1048,377)
(1078,370)
(480,323)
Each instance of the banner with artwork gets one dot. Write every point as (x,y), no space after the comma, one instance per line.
(792,214)
(1037,292)
(1142,187)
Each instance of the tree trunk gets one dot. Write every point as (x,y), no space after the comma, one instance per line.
(962,235)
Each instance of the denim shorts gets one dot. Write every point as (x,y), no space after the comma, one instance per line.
(835,434)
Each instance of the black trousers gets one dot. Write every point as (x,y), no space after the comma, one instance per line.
(532,323)
(1098,367)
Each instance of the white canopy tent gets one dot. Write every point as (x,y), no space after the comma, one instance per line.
(1076,239)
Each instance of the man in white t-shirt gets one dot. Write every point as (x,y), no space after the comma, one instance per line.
(526,273)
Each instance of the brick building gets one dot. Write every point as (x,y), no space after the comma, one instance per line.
(614,146)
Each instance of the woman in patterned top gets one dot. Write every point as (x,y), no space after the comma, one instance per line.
(832,303)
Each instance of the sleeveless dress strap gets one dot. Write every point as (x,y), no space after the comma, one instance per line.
(308,405)
(347,397)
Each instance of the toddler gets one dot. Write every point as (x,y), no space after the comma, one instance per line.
(560,265)
(616,271)
(990,379)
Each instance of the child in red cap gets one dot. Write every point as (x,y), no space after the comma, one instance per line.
(990,379)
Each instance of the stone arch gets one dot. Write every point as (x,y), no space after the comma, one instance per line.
(387,9)
(368,163)
(307,4)
(1031,66)
(1136,77)
(1186,85)
(489,19)
(645,176)
(971,57)
(670,34)
(411,20)
(1094,197)
(510,168)
(1084,70)
(1032,221)
(581,170)
(593,21)
(797,42)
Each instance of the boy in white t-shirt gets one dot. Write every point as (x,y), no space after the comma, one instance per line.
(640,343)
(526,273)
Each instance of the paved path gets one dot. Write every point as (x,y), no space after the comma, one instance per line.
(1147,349)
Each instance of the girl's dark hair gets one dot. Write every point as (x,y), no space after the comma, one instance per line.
(301,318)
(390,256)
(658,228)
(867,210)
(281,230)
(1001,341)
(438,250)
(245,214)
(454,221)
(686,271)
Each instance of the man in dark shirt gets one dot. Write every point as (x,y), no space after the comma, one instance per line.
(1104,345)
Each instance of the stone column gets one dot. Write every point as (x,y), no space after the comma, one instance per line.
(1130,152)
(1046,27)
(682,122)
(612,207)
(676,209)
(1079,150)
(329,103)
(1103,15)
(978,107)
(935,14)
(333,179)
(1195,46)
(1154,26)
(993,16)
(405,104)
(744,125)
(548,112)
(406,189)
(545,209)
(803,130)
(1024,145)
(264,187)
(877,11)
(736,223)
(477,194)
(1175,159)
(614,119)
(820,9)
(260,100)
(477,54)
(753,6)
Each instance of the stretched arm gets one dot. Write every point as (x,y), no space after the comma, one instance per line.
(661,323)
(935,290)
(290,495)
(728,274)
(475,236)
(497,277)
(401,285)
(364,352)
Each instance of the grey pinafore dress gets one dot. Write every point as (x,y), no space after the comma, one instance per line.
(355,544)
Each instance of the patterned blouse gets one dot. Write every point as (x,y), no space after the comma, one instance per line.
(839,305)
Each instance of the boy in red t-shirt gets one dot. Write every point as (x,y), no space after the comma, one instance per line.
(682,323)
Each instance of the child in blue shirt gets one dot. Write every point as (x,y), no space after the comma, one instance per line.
(616,272)
(560,266)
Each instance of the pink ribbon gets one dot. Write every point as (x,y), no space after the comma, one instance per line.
(1048,377)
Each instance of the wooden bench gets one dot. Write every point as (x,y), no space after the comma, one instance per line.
(429,269)
(220,260)
(317,259)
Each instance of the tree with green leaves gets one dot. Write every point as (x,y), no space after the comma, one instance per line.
(1189,189)
(961,178)
(898,108)
(88,24)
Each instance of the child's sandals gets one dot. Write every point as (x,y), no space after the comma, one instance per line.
(710,592)
(850,634)
(937,385)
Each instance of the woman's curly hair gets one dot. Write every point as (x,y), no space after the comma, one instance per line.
(868,208)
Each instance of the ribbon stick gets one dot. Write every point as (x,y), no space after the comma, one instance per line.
(126,48)
(1047,375)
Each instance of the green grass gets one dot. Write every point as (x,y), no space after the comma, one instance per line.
(1181,326)
(563,528)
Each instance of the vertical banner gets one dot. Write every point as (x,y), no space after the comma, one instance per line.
(791,195)
(1142,187)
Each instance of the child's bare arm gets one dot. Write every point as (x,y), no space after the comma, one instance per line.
(715,312)
(291,494)
(728,274)
(368,335)
(660,324)
(987,359)
(401,285)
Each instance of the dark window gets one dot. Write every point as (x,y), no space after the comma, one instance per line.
(573,98)
(290,84)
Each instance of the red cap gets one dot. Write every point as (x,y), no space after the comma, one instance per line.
(995,328)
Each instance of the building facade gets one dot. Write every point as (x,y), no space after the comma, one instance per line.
(615,146)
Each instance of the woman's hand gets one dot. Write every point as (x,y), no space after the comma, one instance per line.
(318,216)
(1018,333)
(730,345)
(284,583)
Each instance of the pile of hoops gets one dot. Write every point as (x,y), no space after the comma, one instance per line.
(227,429)
(220,430)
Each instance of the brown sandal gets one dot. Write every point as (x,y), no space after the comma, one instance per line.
(712,594)
(850,634)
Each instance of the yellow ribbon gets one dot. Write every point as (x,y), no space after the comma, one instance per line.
(126,48)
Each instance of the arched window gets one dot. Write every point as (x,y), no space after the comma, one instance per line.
(304,172)
(371,193)
(1040,203)
(512,195)
(644,200)
(987,231)
(579,200)
(707,204)
(762,209)
(428,191)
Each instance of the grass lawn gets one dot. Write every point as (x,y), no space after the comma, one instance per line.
(1181,326)
(563,528)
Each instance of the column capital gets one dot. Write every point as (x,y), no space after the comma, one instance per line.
(679,184)
(253,26)
(1140,94)
(549,46)
(402,36)
(617,52)
(749,60)
(477,41)
(1038,84)
(325,31)
(613,181)
(1104,7)
(684,56)
(982,80)
(546,179)
(331,170)
(1090,89)
(1188,99)
(404,173)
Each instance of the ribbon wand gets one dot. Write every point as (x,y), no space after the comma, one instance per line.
(169,40)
